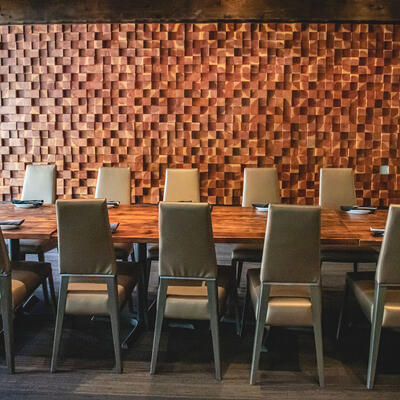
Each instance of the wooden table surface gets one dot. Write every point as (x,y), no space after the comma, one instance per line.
(139,224)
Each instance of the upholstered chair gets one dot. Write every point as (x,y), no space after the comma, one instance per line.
(261,185)
(378,293)
(191,286)
(92,281)
(39,184)
(336,189)
(180,185)
(18,281)
(114,184)
(286,291)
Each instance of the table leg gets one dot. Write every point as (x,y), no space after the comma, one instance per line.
(140,322)
(141,258)
(13,249)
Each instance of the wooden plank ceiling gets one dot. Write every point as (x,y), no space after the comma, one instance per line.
(81,11)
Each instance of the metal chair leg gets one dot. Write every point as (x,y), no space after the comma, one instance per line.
(40,256)
(260,323)
(316,314)
(113,309)
(239,272)
(214,323)
(161,301)
(52,291)
(8,323)
(143,315)
(245,309)
(376,328)
(62,299)
(343,312)
(234,299)
(45,292)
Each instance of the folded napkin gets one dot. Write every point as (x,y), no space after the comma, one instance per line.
(11,224)
(377,231)
(114,226)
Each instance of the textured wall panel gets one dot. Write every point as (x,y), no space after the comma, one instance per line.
(215,96)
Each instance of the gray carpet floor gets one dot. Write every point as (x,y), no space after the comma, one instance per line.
(287,369)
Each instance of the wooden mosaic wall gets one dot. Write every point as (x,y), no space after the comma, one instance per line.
(218,97)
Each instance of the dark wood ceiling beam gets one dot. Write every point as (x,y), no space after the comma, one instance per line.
(82,11)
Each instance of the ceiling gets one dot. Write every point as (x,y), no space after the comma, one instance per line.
(81,11)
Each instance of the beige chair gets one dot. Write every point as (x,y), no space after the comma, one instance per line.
(336,189)
(286,291)
(261,185)
(18,281)
(114,184)
(180,185)
(191,285)
(92,282)
(39,184)
(378,294)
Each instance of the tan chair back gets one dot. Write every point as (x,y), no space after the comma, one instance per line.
(292,245)
(336,188)
(186,241)
(261,185)
(84,238)
(182,185)
(40,183)
(114,184)
(388,268)
(5,267)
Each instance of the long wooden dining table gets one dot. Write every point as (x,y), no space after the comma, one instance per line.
(231,224)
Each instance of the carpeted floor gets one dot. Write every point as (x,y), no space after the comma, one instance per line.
(287,370)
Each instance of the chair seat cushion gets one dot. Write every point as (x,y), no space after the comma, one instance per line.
(25,278)
(123,250)
(33,246)
(247,252)
(288,305)
(89,296)
(349,254)
(153,252)
(189,300)
(363,286)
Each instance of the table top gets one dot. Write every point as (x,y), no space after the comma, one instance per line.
(231,224)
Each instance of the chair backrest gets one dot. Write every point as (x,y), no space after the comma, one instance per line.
(114,184)
(40,183)
(336,188)
(388,268)
(292,245)
(182,185)
(5,267)
(186,240)
(261,185)
(84,238)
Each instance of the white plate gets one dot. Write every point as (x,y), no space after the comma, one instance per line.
(8,227)
(358,212)
(25,205)
(262,208)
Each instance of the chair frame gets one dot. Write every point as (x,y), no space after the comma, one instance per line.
(376,325)
(7,317)
(7,314)
(113,309)
(212,293)
(261,314)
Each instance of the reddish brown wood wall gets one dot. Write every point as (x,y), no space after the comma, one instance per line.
(215,96)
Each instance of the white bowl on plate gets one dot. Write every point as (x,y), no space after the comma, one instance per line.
(358,211)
